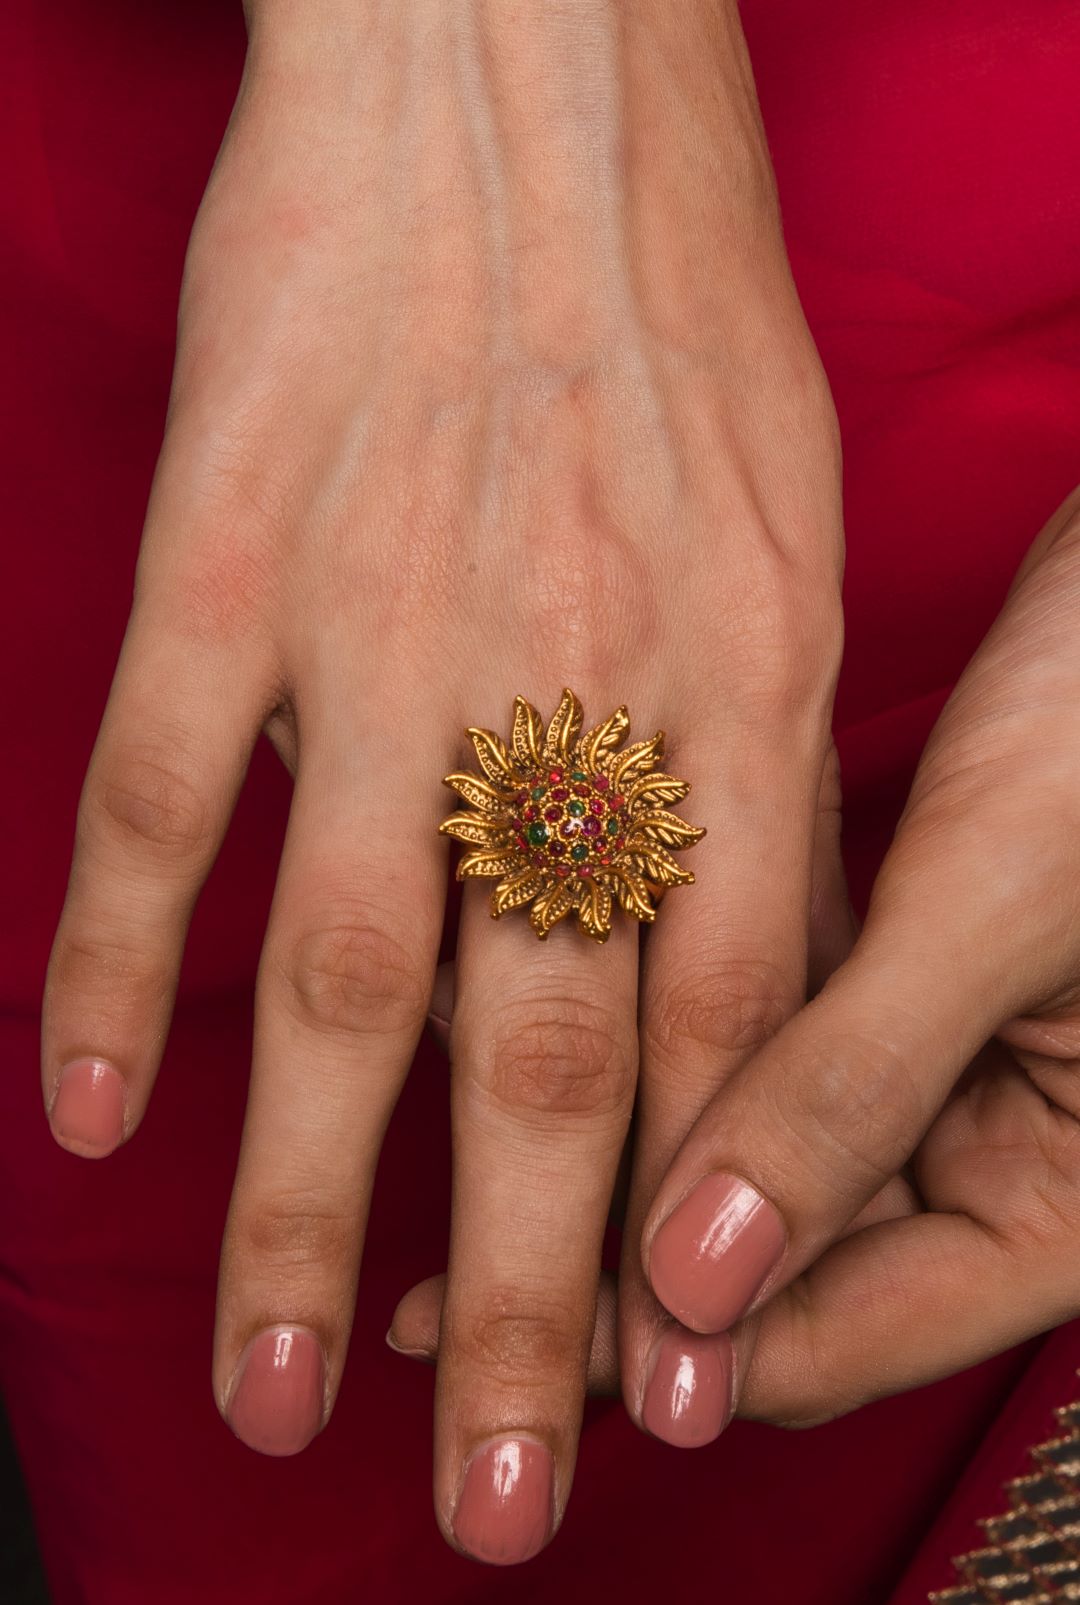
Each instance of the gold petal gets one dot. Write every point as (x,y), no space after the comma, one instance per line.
(656,790)
(473,828)
(553,903)
(475,791)
(563,729)
(637,760)
(660,826)
(493,756)
(603,738)
(482,861)
(594,911)
(658,866)
(528,736)
(634,896)
(513,892)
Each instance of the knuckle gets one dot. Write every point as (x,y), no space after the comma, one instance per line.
(731,1008)
(293,1231)
(852,1108)
(354,977)
(508,1343)
(561,1059)
(88,964)
(143,800)
(592,598)
(783,633)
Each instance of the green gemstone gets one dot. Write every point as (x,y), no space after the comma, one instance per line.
(578,774)
(579,852)
(613,827)
(538,834)
(576,808)
(537,792)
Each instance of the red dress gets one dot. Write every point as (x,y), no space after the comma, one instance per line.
(927,153)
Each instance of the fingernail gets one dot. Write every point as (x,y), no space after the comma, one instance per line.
(277,1400)
(504,1510)
(714,1253)
(87,1115)
(401,1348)
(687,1398)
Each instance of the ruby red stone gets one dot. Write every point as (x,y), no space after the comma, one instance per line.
(555,776)
(602,782)
(596,806)
(523,841)
(521,797)
(591,827)
(558,848)
(562,870)
(539,860)
(552,814)
(581,791)
(560,794)
(620,843)
(605,858)
(531,814)
(585,869)
(618,800)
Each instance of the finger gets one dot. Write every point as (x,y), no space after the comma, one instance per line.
(900,1304)
(722,973)
(414,1330)
(833,927)
(441,1009)
(544,1058)
(168,763)
(343,990)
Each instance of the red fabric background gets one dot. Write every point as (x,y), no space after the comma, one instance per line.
(927,153)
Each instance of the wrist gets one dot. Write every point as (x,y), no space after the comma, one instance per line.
(586,153)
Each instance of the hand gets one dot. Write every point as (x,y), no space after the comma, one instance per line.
(491,377)
(911,1137)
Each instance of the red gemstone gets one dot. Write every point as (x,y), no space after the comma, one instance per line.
(521,796)
(602,782)
(552,814)
(596,806)
(585,869)
(617,801)
(605,858)
(581,791)
(560,794)
(539,860)
(562,870)
(591,827)
(530,813)
(523,841)
(558,848)
(620,843)
(555,776)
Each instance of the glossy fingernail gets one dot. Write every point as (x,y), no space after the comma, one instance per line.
(403,1348)
(687,1399)
(87,1115)
(277,1400)
(714,1252)
(504,1511)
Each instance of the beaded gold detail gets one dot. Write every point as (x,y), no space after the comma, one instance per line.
(571,823)
(1032,1550)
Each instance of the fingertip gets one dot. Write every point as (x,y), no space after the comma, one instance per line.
(88,1110)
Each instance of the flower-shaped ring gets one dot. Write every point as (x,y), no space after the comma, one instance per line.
(570,822)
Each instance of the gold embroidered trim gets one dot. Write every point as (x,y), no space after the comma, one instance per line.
(1032,1554)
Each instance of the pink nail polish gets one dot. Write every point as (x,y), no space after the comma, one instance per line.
(504,1512)
(687,1398)
(714,1252)
(277,1401)
(87,1115)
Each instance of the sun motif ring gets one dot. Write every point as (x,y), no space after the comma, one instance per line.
(569,822)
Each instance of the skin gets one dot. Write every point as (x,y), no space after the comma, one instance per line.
(918,1123)
(490,377)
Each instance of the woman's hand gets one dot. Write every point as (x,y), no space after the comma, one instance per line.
(491,378)
(911,1139)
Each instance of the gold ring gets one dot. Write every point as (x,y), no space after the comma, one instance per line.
(569,822)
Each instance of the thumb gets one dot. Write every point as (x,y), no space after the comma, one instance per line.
(802,1137)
